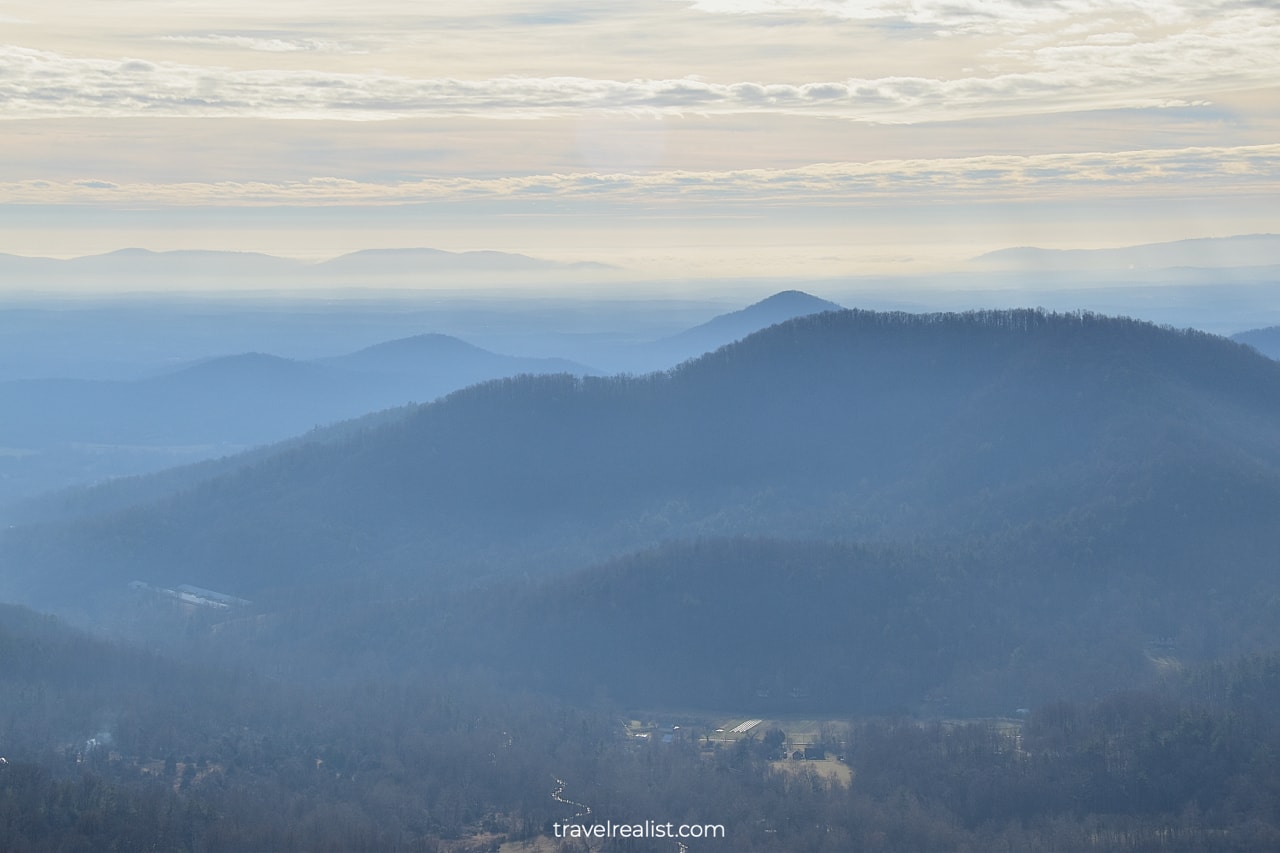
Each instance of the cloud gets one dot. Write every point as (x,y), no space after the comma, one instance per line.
(1004,17)
(1093,176)
(964,59)
(1119,48)
(41,84)
(266,43)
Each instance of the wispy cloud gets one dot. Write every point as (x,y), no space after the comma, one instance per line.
(1011,57)
(1005,17)
(1117,48)
(1154,173)
(40,84)
(263,42)
(798,105)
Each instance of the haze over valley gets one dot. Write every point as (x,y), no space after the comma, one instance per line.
(803,521)
(674,426)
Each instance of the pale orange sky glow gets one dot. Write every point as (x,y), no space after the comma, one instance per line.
(668,138)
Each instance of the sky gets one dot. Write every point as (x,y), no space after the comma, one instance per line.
(667,137)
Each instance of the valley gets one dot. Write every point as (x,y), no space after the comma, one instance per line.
(897,552)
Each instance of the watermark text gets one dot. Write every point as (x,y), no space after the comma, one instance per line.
(644,829)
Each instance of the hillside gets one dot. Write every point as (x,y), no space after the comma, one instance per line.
(120,492)
(107,747)
(251,398)
(976,627)
(449,361)
(61,432)
(1265,341)
(735,325)
(852,425)
(69,432)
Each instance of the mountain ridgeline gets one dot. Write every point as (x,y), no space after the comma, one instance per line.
(1265,341)
(1023,484)
(71,430)
(68,424)
(252,397)
(724,329)
(839,425)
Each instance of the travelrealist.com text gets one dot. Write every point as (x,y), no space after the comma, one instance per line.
(647,829)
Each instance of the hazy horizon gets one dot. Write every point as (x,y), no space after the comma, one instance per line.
(680,140)
(430,426)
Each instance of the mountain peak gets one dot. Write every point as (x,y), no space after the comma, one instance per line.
(726,328)
(793,300)
(424,346)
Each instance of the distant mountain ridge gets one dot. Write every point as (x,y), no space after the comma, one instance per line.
(726,328)
(202,264)
(1245,250)
(251,398)
(720,330)
(1241,251)
(1265,341)
(419,352)
(840,424)
(401,261)
(222,404)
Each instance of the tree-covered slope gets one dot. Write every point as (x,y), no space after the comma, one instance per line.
(250,398)
(973,626)
(735,325)
(1265,341)
(840,425)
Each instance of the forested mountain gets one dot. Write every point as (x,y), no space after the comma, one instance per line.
(251,397)
(236,400)
(727,328)
(849,513)
(70,431)
(107,748)
(120,492)
(1265,341)
(840,425)
(110,748)
(445,361)
(64,431)
(977,625)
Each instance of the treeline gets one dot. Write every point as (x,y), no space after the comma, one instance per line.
(1187,767)
(99,739)
(1190,766)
